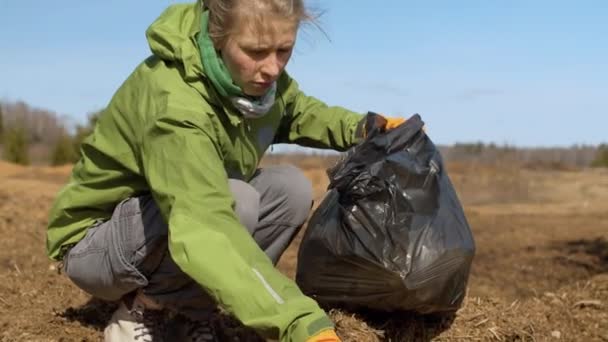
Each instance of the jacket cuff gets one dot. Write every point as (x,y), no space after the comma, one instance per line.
(309,326)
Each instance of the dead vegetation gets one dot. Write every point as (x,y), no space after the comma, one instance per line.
(540,273)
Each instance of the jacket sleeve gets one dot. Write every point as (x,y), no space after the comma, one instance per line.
(310,122)
(185,172)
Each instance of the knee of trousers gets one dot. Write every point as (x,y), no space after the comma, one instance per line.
(294,190)
(247,203)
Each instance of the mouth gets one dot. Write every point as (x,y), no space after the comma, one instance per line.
(263,85)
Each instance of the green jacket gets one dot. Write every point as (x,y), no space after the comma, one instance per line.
(167,132)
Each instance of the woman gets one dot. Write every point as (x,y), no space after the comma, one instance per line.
(161,209)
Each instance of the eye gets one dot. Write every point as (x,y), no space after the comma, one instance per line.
(255,52)
(283,51)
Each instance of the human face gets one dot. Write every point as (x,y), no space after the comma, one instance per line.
(256,57)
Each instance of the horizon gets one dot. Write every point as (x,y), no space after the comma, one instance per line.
(529,75)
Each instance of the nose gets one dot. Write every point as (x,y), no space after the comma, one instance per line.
(271,66)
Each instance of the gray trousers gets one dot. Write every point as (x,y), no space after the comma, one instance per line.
(129,251)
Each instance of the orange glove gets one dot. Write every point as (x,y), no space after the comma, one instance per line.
(325,336)
(378,121)
(393,122)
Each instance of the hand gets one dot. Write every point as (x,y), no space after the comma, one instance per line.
(373,121)
(393,122)
(325,336)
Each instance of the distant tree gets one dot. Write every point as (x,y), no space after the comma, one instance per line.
(475,148)
(83,131)
(1,123)
(63,153)
(16,146)
(601,156)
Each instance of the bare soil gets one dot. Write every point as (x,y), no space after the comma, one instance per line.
(540,272)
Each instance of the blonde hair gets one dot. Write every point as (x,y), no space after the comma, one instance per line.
(225,14)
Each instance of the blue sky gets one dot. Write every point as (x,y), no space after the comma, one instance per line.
(525,73)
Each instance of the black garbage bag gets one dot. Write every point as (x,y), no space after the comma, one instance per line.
(391,233)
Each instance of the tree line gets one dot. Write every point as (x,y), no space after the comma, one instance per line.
(30,134)
(540,157)
(23,128)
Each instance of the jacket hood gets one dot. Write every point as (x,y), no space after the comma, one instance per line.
(172,37)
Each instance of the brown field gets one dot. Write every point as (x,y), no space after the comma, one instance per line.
(540,273)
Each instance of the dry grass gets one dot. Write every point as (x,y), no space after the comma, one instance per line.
(541,269)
